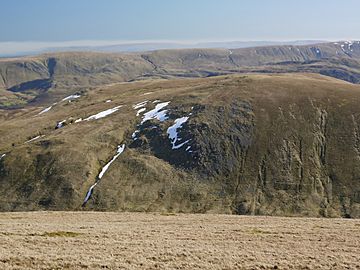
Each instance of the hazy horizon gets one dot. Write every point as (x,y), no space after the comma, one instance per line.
(23,48)
(33,26)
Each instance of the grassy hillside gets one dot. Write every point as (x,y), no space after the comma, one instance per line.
(281,144)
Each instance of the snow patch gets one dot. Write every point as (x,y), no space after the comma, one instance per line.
(78,120)
(180,145)
(157,113)
(140,105)
(173,134)
(2,156)
(109,100)
(134,134)
(140,111)
(71,97)
(103,113)
(60,124)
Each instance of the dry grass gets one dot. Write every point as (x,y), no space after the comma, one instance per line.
(96,240)
(55,171)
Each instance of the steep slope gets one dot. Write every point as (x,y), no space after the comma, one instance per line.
(285,144)
(48,77)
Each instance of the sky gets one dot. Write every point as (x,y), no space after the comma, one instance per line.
(177,20)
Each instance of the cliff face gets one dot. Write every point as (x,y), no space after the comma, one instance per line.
(54,75)
(252,144)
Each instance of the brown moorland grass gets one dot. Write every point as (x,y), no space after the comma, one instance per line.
(243,129)
(98,240)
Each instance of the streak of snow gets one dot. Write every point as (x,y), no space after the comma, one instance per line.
(140,105)
(147,93)
(156,101)
(106,167)
(45,110)
(140,111)
(35,138)
(78,120)
(71,97)
(60,124)
(2,156)
(103,113)
(109,100)
(120,149)
(156,113)
(180,145)
(134,134)
(172,131)
(88,194)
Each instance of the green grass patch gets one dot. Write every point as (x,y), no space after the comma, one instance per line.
(60,234)
(259,231)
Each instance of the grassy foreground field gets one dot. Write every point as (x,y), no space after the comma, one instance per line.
(96,240)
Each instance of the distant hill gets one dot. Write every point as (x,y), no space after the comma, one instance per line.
(46,77)
(15,49)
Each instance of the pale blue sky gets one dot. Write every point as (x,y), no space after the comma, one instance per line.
(68,20)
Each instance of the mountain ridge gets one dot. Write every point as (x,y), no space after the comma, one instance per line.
(14,49)
(80,70)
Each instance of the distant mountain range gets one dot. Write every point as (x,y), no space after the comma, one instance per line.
(48,76)
(15,49)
